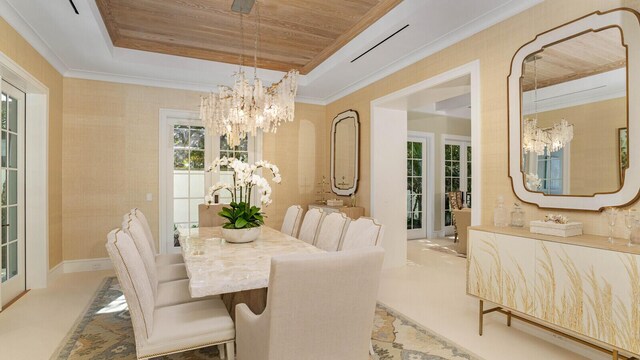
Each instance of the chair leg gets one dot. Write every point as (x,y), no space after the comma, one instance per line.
(221,351)
(373,354)
(231,351)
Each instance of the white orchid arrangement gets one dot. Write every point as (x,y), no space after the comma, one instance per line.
(533,182)
(241,214)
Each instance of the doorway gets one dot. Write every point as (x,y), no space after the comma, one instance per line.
(12,237)
(420,184)
(186,150)
(389,135)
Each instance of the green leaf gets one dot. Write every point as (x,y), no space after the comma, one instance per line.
(229,226)
(226,213)
(241,223)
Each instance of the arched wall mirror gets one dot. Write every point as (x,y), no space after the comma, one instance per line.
(345,143)
(574,107)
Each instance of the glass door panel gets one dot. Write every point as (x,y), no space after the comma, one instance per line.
(416,188)
(12,258)
(457,177)
(188,175)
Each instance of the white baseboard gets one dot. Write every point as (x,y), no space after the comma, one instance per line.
(71,266)
(437,234)
(55,272)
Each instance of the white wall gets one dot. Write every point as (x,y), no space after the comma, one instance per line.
(389,180)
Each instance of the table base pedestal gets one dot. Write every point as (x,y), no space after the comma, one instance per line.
(255,299)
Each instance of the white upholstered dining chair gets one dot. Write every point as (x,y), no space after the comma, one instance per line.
(161,259)
(165,330)
(165,293)
(300,321)
(164,272)
(362,233)
(309,227)
(292,219)
(332,228)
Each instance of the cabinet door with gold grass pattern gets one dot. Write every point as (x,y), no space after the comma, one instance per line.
(593,292)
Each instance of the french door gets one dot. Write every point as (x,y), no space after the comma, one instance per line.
(12,260)
(416,188)
(186,152)
(457,175)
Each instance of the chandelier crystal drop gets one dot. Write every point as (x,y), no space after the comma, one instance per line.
(246,108)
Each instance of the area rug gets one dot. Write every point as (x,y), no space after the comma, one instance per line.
(104,332)
(447,249)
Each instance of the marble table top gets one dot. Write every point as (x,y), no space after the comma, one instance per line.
(216,267)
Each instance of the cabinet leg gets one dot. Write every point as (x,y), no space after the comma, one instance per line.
(509,318)
(481,317)
(615,354)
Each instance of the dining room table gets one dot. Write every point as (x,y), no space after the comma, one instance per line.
(239,273)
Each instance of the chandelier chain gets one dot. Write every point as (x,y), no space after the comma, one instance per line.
(256,41)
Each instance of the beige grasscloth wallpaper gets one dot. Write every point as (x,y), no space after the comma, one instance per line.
(494,47)
(18,49)
(110,151)
(594,164)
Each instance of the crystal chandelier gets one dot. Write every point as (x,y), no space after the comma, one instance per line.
(539,141)
(245,108)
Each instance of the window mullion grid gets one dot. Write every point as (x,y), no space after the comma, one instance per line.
(189,182)
(463,169)
(5,207)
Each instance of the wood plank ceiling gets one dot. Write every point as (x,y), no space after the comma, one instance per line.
(589,54)
(298,34)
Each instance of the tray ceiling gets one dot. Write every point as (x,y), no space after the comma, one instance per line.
(586,55)
(297,34)
(79,46)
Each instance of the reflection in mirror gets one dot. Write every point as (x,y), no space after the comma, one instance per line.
(574,115)
(344,153)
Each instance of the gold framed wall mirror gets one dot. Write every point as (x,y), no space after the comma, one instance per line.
(345,146)
(573,113)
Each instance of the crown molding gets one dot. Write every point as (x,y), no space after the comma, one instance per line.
(310,100)
(137,80)
(145,81)
(483,22)
(20,25)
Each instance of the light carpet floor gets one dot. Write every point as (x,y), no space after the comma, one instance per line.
(104,331)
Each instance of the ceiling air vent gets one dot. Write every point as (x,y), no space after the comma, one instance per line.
(75,9)
(380,43)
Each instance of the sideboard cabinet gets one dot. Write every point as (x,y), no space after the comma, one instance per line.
(581,284)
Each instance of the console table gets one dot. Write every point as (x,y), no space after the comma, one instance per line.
(581,286)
